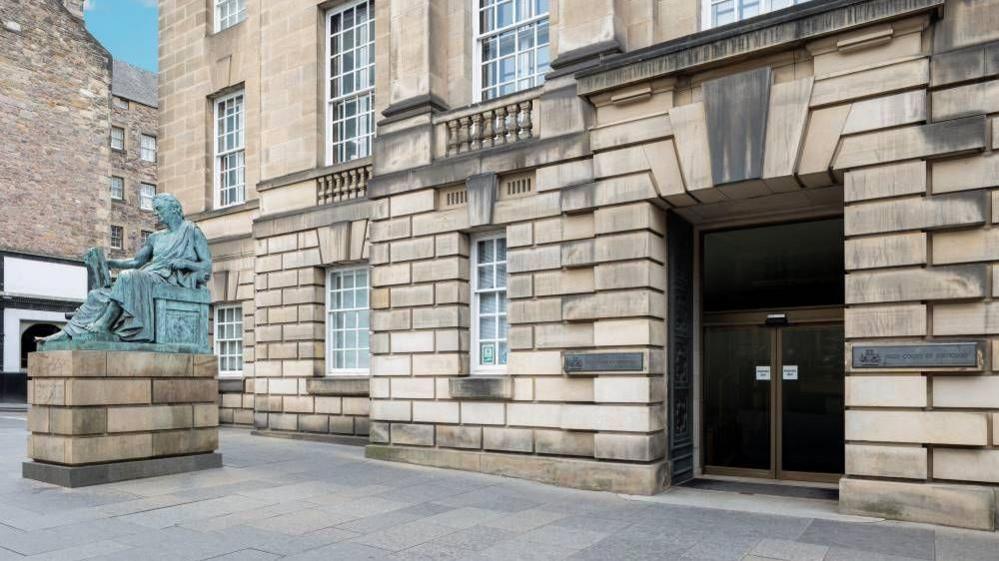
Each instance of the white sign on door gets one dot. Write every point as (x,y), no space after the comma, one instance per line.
(790,372)
(763,373)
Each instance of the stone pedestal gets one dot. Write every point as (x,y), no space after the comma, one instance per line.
(102,416)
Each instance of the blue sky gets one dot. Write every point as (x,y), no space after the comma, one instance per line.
(127,28)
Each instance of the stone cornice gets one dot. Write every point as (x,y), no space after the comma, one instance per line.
(780,29)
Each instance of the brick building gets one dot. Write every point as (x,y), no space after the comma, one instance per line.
(56,166)
(604,244)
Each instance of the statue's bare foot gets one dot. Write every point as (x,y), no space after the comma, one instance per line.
(57,336)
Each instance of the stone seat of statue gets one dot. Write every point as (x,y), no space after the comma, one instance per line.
(181,316)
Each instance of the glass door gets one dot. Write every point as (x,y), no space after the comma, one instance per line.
(737,397)
(811,396)
(773,394)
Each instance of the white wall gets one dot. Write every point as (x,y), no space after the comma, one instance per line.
(12,320)
(44,279)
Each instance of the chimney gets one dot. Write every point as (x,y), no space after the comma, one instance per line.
(75,7)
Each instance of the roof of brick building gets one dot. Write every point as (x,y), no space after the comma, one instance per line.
(134,84)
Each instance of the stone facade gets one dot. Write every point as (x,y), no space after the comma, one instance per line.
(880,111)
(101,408)
(129,111)
(47,182)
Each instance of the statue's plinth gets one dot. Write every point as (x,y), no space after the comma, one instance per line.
(98,416)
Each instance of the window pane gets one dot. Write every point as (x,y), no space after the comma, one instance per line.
(487,303)
(504,14)
(487,328)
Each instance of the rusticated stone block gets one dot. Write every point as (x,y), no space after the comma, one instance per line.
(891,180)
(936,139)
(481,387)
(917,213)
(873,460)
(627,303)
(886,251)
(177,391)
(885,391)
(459,437)
(77,420)
(918,427)
(630,447)
(345,425)
(193,441)
(966,506)
(885,321)
(110,392)
(151,365)
(938,283)
(149,418)
(897,77)
(508,440)
(567,443)
(965,174)
(412,435)
(314,423)
(884,112)
(68,364)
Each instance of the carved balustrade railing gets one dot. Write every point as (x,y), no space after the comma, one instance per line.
(495,123)
(344,184)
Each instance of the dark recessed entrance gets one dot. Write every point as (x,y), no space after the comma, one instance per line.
(772,352)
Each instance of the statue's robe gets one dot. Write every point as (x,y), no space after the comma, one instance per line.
(133,290)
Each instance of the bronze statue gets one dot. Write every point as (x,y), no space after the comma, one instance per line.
(124,310)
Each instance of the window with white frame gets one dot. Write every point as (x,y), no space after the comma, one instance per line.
(722,12)
(117,138)
(489,325)
(511,47)
(229,339)
(230,154)
(117,188)
(347,321)
(147,148)
(350,84)
(146,193)
(117,237)
(228,13)
(144,236)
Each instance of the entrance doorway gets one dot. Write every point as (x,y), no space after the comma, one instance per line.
(772,351)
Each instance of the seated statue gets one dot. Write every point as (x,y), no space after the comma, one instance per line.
(124,311)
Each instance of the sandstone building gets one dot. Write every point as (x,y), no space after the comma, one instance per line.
(60,101)
(132,183)
(604,244)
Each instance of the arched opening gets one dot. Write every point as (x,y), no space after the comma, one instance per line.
(28,344)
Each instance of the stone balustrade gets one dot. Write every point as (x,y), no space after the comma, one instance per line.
(505,121)
(344,184)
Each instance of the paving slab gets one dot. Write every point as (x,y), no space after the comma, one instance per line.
(286,499)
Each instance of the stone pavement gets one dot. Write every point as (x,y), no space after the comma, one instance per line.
(283,499)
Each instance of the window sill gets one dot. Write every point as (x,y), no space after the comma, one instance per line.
(231,383)
(216,32)
(338,385)
(491,387)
